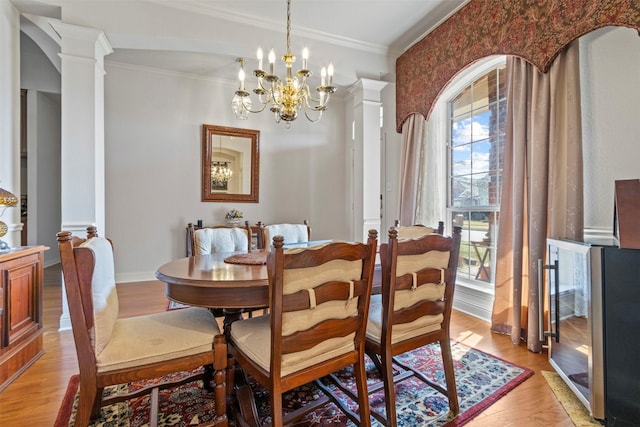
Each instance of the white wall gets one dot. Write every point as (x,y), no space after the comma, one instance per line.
(42,81)
(36,71)
(43,170)
(610,68)
(153,138)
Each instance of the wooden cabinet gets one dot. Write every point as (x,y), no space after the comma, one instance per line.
(21,280)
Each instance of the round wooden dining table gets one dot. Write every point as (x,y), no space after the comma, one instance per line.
(208,281)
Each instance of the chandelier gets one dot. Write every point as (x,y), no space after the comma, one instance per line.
(285,96)
(221,171)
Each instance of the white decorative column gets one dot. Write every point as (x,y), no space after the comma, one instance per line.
(82,151)
(10,115)
(366,164)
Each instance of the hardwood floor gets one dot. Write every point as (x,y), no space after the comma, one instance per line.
(33,398)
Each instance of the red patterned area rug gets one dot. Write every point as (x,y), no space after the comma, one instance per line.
(481,380)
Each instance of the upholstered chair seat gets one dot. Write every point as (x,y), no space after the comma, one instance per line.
(157,337)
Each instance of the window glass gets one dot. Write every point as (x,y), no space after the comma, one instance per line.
(476,125)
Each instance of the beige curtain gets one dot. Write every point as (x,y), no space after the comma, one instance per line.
(410,168)
(432,193)
(542,186)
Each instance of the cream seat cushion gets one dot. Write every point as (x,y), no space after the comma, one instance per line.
(413,231)
(123,343)
(212,240)
(156,337)
(407,298)
(253,336)
(292,233)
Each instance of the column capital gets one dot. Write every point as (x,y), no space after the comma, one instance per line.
(367,89)
(81,41)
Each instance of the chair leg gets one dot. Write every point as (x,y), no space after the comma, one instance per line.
(97,403)
(389,389)
(86,402)
(363,395)
(220,367)
(449,374)
(276,407)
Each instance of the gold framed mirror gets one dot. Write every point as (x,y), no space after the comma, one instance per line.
(230,164)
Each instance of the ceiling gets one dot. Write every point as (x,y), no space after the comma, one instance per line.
(362,38)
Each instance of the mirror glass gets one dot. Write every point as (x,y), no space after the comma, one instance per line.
(230,164)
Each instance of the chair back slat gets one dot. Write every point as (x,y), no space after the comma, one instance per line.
(417,230)
(329,291)
(305,340)
(425,277)
(418,310)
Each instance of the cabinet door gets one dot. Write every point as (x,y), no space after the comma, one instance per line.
(21,314)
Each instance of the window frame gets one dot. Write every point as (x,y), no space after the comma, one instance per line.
(441,116)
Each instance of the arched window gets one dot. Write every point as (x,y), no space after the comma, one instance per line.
(465,132)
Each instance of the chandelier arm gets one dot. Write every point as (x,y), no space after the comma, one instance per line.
(321,104)
(306,113)
(259,110)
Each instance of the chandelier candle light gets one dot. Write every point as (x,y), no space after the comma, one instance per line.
(287,96)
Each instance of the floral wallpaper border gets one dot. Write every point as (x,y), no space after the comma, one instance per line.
(532,29)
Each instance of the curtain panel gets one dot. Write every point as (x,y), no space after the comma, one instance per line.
(411,158)
(542,192)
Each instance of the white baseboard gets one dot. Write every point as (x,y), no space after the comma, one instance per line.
(136,277)
(473,301)
(65,322)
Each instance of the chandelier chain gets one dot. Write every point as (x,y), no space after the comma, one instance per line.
(288,26)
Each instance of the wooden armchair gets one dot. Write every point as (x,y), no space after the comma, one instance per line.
(292,233)
(413,310)
(319,302)
(417,230)
(114,351)
(220,238)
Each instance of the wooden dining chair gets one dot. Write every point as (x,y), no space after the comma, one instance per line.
(417,230)
(413,310)
(319,303)
(292,233)
(219,238)
(113,350)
